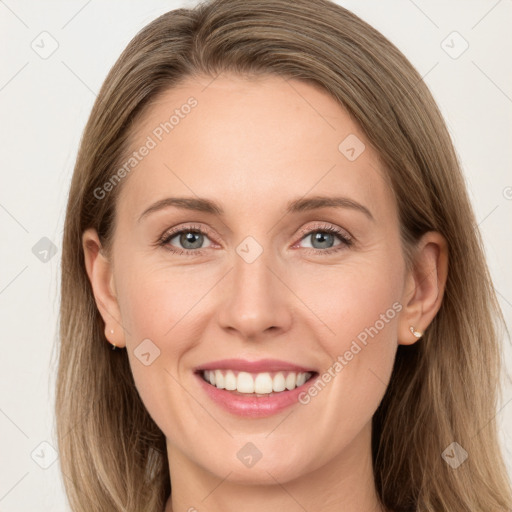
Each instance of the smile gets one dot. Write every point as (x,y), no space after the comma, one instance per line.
(265,383)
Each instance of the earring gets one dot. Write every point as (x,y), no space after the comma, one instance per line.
(415,332)
(113,344)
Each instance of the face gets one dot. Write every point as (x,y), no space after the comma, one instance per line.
(269,275)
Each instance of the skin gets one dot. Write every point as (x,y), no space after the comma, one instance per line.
(252,145)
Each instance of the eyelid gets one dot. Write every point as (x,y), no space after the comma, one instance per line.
(319,226)
(170,233)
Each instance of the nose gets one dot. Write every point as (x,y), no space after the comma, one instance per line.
(255,304)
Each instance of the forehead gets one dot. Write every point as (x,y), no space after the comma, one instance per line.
(248,143)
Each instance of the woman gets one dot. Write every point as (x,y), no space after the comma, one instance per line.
(251,370)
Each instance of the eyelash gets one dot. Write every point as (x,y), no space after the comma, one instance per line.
(345,238)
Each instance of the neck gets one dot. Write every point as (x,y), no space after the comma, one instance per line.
(345,483)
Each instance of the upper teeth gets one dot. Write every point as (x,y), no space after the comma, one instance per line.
(259,383)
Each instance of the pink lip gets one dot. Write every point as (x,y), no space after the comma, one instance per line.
(253,406)
(262,365)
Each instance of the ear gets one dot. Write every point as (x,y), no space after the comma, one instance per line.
(100,272)
(424,286)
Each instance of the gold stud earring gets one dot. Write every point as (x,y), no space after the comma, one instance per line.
(415,332)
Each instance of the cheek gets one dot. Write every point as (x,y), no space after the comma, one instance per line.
(361,306)
(157,302)
(159,319)
(357,301)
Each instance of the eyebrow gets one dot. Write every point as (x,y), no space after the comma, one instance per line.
(294,206)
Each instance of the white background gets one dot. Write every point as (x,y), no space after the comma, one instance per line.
(44,105)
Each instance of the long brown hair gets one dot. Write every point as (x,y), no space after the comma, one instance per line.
(443,389)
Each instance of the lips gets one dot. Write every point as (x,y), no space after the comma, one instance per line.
(254,389)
